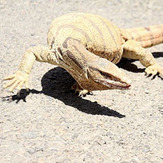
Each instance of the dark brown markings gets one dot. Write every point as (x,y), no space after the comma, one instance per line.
(72,46)
(59,50)
(97,28)
(113,59)
(75,29)
(130,33)
(79,52)
(147,28)
(115,56)
(160,30)
(112,36)
(138,35)
(72,57)
(110,32)
(66,40)
(150,34)
(52,43)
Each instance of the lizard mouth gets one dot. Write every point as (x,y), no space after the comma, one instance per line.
(113,84)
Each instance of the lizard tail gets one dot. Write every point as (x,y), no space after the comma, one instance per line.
(147,36)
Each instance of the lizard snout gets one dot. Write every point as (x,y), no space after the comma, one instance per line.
(114,82)
(109,75)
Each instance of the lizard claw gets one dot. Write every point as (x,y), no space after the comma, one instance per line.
(16,81)
(154,70)
(21,95)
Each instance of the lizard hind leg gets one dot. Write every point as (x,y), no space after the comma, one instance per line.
(133,50)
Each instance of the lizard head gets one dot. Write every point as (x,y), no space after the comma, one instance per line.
(91,71)
(107,74)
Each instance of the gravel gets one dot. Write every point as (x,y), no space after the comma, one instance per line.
(52,124)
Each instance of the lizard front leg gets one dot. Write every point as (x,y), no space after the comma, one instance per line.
(133,50)
(21,77)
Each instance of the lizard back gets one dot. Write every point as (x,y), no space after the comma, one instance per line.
(96,33)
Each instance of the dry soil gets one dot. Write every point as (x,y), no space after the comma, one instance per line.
(56,126)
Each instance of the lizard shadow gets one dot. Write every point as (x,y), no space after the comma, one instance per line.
(127,64)
(157,54)
(57,83)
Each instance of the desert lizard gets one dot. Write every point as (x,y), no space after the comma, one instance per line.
(89,46)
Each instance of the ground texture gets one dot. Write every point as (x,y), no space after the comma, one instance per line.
(54,125)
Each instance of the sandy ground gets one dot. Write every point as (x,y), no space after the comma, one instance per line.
(54,125)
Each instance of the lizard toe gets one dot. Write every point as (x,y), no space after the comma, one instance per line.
(83,93)
(160,71)
(152,70)
(19,86)
(9,77)
(9,84)
(16,81)
(13,86)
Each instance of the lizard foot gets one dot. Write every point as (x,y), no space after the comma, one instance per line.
(84,92)
(81,92)
(17,81)
(154,70)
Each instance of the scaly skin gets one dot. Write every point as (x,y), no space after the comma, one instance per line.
(88,47)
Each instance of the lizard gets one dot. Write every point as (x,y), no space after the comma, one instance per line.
(89,46)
